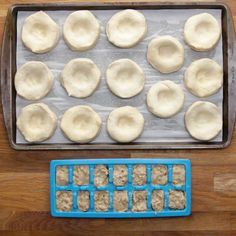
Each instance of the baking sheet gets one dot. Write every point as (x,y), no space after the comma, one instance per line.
(160,22)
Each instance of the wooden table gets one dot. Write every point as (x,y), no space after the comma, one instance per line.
(24,189)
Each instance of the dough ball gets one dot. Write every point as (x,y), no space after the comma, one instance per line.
(165,99)
(81,30)
(203,120)
(33,80)
(125,78)
(159,175)
(125,124)
(80,77)
(203,77)
(36,122)
(81,124)
(126,28)
(166,54)
(202,32)
(81,175)
(40,33)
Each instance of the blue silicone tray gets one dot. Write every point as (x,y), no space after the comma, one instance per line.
(110,187)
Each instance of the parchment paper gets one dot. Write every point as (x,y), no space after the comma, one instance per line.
(160,22)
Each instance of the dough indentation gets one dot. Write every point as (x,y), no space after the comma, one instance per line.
(125,124)
(40,33)
(36,122)
(126,28)
(202,32)
(165,99)
(165,54)
(203,120)
(125,78)
(81,124)
(81,30)
(203,77)
(80,77)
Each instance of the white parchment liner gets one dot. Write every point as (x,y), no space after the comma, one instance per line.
(160,22)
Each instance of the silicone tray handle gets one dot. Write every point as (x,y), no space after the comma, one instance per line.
(231,76)
(6,72)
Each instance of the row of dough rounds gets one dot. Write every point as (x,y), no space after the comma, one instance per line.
(80,77)
(125,29)
(82,124)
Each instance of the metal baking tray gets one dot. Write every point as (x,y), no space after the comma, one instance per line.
(110,188)
(9,65)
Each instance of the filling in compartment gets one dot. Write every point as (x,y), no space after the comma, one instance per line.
(100,175)
(139,201)
(139,175)
(83,200)
(120,175)
(121,200)
(178,175)
(62,175)
(81,175)
(159,174)
(177,199)
(157,200)
(101,201)
(64,200)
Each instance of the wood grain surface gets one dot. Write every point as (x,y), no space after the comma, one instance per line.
(24,189)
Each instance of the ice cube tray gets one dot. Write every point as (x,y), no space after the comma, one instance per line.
(129,187)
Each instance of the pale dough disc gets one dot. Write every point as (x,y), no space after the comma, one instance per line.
(40,33)
(125,78)
(165,99)
(33,80)
(126,28)
(203,120)
(202,32)
(166,54)
(203,77)
(36,122)
(81,30)
(81,124)
(125,124)
(80,77)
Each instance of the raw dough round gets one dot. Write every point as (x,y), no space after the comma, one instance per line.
(81,30)
(202,32)
(166,54)
(125,78)
(125,124)
(203,120)
(203,77)
(165,99)
(36,122)
(33,80)
(40,33)
(126,28)
(80,77)
(81,124)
